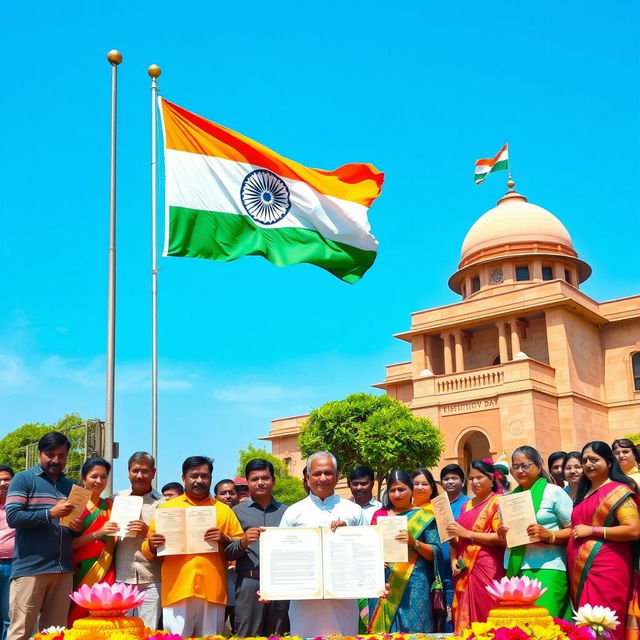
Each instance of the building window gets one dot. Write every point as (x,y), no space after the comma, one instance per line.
(522,273)
(567,276)
(475,284)
(547,273)
(635,364)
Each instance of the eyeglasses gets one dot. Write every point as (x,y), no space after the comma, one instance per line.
(525,466)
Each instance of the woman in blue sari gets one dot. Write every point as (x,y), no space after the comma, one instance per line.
(408,607)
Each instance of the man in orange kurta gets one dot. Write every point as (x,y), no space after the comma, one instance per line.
(194,587)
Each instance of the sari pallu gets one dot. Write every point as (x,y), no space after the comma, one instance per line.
(472,602)
(408,606)
(94,562)
(602,572)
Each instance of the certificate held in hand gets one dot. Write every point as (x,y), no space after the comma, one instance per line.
(184,529)
(517,512)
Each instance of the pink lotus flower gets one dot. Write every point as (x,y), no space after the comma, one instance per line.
(516,591)
(103,599)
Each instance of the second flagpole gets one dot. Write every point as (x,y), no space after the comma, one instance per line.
(154,72)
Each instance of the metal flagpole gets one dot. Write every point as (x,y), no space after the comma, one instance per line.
(154,72)
(115,58)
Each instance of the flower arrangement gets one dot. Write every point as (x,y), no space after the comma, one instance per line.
(69,634)
(516,591)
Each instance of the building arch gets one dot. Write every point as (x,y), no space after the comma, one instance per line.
(473,443)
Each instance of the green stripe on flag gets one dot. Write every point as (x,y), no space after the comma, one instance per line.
(225,237)
(479,176)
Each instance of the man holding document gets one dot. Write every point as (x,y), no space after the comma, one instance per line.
(190,533)
(132,567)
(323,508)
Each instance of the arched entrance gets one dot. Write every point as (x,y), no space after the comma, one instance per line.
(472,445)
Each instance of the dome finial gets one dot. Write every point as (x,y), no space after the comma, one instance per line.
(510,182)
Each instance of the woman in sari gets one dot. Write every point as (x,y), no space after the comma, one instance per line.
(425,488)
(605,524)
(572,470)
(93,549)
(628,458)
(544,560)
(477,553)
(408,605)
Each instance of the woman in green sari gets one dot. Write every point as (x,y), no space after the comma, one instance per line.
(408,605)
(545,560)
(93,549)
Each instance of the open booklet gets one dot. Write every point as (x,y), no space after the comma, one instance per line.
(184,529)
(301,563)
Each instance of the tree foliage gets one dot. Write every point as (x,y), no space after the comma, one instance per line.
(634,437)
(377,431)
(13,446)
(287,489)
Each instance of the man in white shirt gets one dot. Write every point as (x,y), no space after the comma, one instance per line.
(323,508)
(361,486)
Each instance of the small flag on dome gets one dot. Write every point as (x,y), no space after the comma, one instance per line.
(485,166)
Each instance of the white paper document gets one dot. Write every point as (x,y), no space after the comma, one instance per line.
(125,509)
(300,563)
(517,513)
(391,526)
(184,529)
(443,514)
(353,562)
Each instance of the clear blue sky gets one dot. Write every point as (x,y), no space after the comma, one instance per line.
(420,91)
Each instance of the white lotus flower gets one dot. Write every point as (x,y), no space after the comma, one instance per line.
(599,618)
(53,630)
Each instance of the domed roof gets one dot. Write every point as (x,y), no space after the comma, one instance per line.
(512,222)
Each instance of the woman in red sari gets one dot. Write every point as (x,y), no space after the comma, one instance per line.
(477,553)
(605,523)
(93,549)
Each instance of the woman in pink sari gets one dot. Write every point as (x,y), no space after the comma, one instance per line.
(477,553)
(605,523)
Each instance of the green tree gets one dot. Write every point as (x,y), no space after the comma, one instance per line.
(287,489)
(378,431)
(13,446)
(634,437)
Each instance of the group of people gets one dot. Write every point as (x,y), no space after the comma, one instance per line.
(582,548)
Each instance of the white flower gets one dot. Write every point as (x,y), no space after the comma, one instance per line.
(598,618)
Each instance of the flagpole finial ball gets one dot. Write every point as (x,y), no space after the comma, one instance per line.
(154,70)
(511,184)
(114,57)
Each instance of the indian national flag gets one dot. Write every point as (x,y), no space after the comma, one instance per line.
(228,196)
(488,165)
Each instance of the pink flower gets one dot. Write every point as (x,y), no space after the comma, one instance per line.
(106,597)
(504,633)
(516,590)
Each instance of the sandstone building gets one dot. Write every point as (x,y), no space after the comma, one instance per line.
(524,356)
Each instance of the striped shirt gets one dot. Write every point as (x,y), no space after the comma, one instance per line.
(42,545)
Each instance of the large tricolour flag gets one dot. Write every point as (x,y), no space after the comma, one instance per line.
(485,166)
(228,196)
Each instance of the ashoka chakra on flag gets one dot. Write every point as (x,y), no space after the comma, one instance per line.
(264,196)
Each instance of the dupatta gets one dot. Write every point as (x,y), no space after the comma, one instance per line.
(385,611)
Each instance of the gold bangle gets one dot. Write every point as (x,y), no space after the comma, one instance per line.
(604,532)
(416,545)
(553,538)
